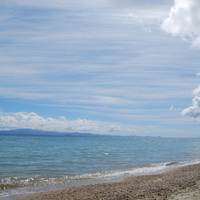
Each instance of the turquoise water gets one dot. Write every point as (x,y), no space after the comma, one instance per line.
(30,161)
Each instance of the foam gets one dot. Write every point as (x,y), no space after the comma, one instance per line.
(19,185)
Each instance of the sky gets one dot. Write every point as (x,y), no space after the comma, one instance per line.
(116,67)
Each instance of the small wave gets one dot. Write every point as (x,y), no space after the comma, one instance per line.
(17,183)
(172,163)
(14,182)
(8,186)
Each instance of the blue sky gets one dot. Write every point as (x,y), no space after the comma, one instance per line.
(108,67)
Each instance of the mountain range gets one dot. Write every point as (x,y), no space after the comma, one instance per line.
(45,133)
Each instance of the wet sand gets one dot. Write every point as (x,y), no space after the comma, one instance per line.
(178,184)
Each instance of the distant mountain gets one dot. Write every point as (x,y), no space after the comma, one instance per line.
(56,133)
(47,133)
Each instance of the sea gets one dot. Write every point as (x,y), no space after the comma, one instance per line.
(31,164)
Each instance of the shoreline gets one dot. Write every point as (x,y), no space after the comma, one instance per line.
(179,183)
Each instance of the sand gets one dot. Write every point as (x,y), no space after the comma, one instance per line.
(178,184)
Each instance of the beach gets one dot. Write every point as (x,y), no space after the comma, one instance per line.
(180,183)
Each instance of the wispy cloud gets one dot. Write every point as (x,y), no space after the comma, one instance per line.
(172,108)
(102,59)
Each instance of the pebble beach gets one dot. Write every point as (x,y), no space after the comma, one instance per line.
(180,183)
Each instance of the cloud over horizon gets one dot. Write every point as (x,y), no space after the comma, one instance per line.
(105,66)
(184,21)
(33,121)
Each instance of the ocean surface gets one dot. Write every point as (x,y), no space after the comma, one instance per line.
(38,163)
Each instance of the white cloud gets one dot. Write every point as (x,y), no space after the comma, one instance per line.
(173,108)
(194,110)
(91,58)
(33,121)
(184,20)
(113,128)
(131,130)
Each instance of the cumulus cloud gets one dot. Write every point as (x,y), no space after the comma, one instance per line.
(113,128)
(194,110)
(131,130)
(184,20)
(33,121)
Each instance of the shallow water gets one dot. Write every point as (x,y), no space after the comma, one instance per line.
(37,163)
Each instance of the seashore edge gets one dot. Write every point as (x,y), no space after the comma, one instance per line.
(179,183)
